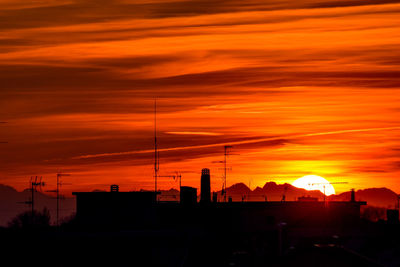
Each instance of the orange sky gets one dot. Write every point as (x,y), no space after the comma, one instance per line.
(299,87)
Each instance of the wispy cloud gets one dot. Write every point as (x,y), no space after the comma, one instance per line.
(242,142)
(194,133)
(297,86)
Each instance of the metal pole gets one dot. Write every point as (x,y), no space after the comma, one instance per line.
(156,164)
(33,199)
(225,148)
(58,197)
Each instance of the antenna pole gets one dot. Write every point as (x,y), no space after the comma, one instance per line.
(225,149)
(156,162)
(33,195)
(34,184)
(226,154)
(58,197)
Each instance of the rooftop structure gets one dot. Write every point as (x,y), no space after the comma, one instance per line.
(141,208)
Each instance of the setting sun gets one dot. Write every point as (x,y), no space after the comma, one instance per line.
(315,182)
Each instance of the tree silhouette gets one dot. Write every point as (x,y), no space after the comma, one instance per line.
(28,219)
(373,214)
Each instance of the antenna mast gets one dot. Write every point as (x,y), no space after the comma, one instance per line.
(225,168)
(156,160)
(35,182)
(324,185)
(226,154)
(58,196)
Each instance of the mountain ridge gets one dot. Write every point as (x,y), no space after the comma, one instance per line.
(12,202)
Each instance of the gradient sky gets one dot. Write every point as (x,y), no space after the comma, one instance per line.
(298,87)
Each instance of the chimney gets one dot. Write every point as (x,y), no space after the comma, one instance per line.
(205,193)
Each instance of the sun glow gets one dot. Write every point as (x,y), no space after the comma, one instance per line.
(315,182)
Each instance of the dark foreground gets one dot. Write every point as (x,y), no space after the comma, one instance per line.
(365,244)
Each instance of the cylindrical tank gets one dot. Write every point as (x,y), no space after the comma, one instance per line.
(205,194)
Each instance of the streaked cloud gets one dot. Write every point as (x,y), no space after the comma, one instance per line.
(298,87)
(194,133)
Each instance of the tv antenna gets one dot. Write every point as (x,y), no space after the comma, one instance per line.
(35,183)
(176,176)
(324,185)
(58,196)
(225,168)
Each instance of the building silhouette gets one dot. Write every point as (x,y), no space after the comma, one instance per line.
(131,209)
(188,196)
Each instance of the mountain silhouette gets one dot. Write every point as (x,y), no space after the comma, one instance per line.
(270,191)
(12,203)
(169,195)
(378,197)
(238,189)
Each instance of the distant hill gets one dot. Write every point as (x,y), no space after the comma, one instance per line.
(169,195)
(270,191)
(378,197)
(12,203)
(166,195)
